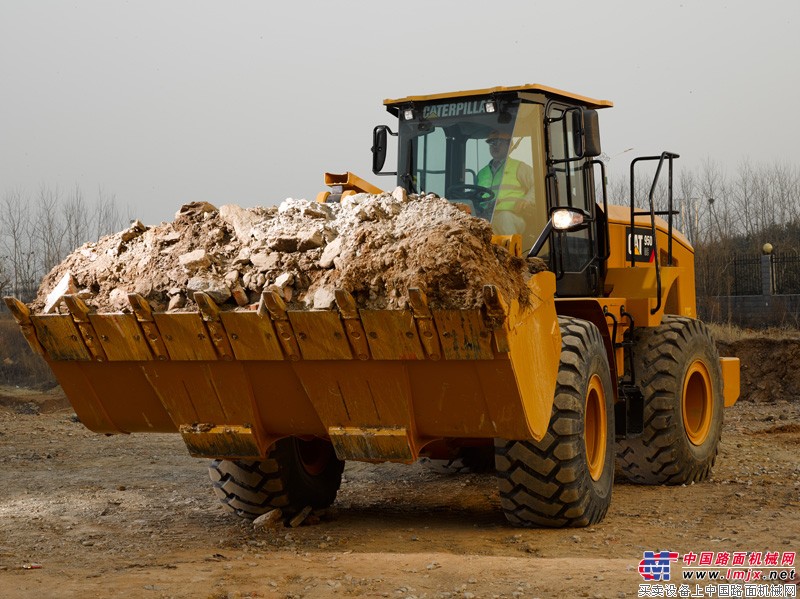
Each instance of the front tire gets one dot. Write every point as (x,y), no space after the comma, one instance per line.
(294,474)
(678,365)
(566,478)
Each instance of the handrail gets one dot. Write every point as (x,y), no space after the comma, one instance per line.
(607,252)
(669,156)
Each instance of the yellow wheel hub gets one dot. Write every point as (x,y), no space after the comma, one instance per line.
(594,427)
(697,403)
(314,455)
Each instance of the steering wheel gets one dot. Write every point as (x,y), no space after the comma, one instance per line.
(466,191)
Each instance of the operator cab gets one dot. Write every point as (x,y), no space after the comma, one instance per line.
(511,156)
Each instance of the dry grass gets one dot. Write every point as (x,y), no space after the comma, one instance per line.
(729,333)
(18,364)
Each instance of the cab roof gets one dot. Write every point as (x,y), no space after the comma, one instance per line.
(528,87)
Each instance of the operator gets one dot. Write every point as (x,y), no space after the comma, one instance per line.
(512,183)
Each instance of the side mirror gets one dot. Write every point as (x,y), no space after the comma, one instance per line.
(379,142)
(591,134)
(586,133)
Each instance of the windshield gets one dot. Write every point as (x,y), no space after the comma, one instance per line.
(489,161)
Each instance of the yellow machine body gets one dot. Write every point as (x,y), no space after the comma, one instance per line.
(381,385)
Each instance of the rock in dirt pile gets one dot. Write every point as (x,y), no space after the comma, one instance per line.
(374,246)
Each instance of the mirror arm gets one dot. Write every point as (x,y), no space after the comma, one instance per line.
(541,240)
(549,227)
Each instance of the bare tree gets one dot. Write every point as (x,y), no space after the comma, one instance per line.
(16,242)
(769,213)
(691,207)
(743,198)
(5,277)
(36,233)
(76,219)
(48,231)
(712,187)
(785,192)
(108,217)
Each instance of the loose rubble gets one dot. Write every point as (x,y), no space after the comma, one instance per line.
(272,519)
(374,246)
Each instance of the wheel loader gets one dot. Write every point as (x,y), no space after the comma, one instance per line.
(606,366)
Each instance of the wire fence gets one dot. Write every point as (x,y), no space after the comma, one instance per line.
(743,274)
(786,274)
(732,274)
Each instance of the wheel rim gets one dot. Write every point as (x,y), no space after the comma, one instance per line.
(314,455)
(697,403)
(594,428)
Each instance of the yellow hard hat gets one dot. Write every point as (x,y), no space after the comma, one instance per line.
(496,134)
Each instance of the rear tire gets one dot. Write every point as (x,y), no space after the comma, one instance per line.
(294,474)
(566,478)
(468,460)
(678,366)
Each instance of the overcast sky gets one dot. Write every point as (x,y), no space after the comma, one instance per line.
(162,103)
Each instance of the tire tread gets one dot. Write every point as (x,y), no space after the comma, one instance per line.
(545,483)
(657,456)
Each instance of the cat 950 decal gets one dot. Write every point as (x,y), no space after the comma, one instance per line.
(639,245)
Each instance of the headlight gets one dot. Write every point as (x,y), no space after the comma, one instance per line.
(564,220)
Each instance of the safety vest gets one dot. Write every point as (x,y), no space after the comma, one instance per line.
(504,183)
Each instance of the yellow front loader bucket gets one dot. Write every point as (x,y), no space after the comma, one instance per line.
(380,384)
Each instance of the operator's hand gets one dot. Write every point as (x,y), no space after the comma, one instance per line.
(484,208)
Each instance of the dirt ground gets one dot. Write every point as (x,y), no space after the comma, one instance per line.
(84,515)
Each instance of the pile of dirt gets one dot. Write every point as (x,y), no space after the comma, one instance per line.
(769,367)
(373,246)
(32,401)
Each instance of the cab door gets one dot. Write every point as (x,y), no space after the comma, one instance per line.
(574,255)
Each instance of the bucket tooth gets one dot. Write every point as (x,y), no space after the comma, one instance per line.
(352,324)
(210,313)
(22,315)
(425,325)
(77,308)
(273,303)
(80,315)
(497,312)
(346,304)
(144,314)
